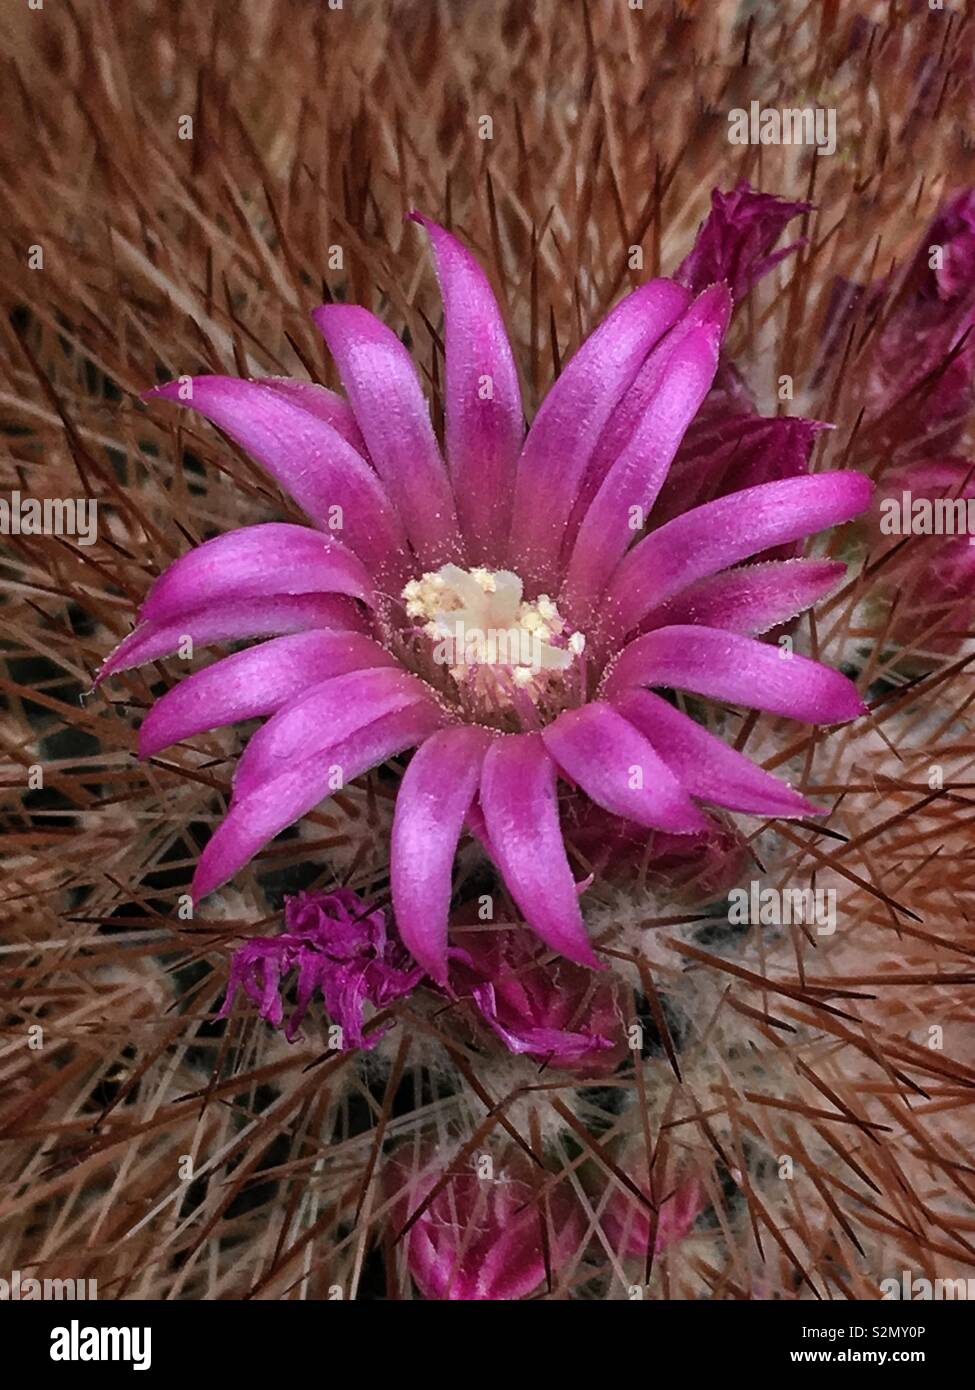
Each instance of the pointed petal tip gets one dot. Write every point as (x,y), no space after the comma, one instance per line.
(147,746)
(716,304)
(791,806)
(861,487)
(109,666)
(847,708)
(204,882)
(430,959)
(586,958)
(436,968)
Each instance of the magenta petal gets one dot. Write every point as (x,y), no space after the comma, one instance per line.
(327,405)
(724,452)
(256,819)
(254,682)
(321,717)
(520,807)
(750,600)
(725,532)
(706,765)
(564,1045)
(227,622)
(484,423)
(306,455)
(432,803)
(618,769)
(664,399)
(256,562)
(384,391)
(571,418)
(726,666)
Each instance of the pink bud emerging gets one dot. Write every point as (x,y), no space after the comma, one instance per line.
(484,1237)
(705,865)
(628,1223)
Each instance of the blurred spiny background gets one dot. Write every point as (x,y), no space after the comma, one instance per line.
(198,177)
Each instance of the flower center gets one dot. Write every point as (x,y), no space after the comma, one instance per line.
(503,654)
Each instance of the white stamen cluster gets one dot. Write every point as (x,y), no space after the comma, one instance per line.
(487,635)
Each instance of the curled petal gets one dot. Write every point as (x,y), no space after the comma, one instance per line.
(254,682)
(432,803)
(706,765)
(750,600)
(725,532)
(232,621)
(565,431)
(484,423)
(520,808)
(726,666)
(302,450)
(255,562)
(255,819)
(382,385)
(619,770)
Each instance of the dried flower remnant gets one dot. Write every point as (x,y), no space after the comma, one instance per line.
(493,543)
(914,336)
(340,947)
(486,1233)
(931,583)
(736,240)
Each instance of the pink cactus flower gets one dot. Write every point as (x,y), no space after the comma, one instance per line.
(471,609)
(483,1237)
(339,946)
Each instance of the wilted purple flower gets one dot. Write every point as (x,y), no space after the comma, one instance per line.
(555,1011)
(473,612)
(724,453)
(735,241)
(729,446)
(483,1237)
(339,946)
(708,862)
(934,583)
(918,361)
